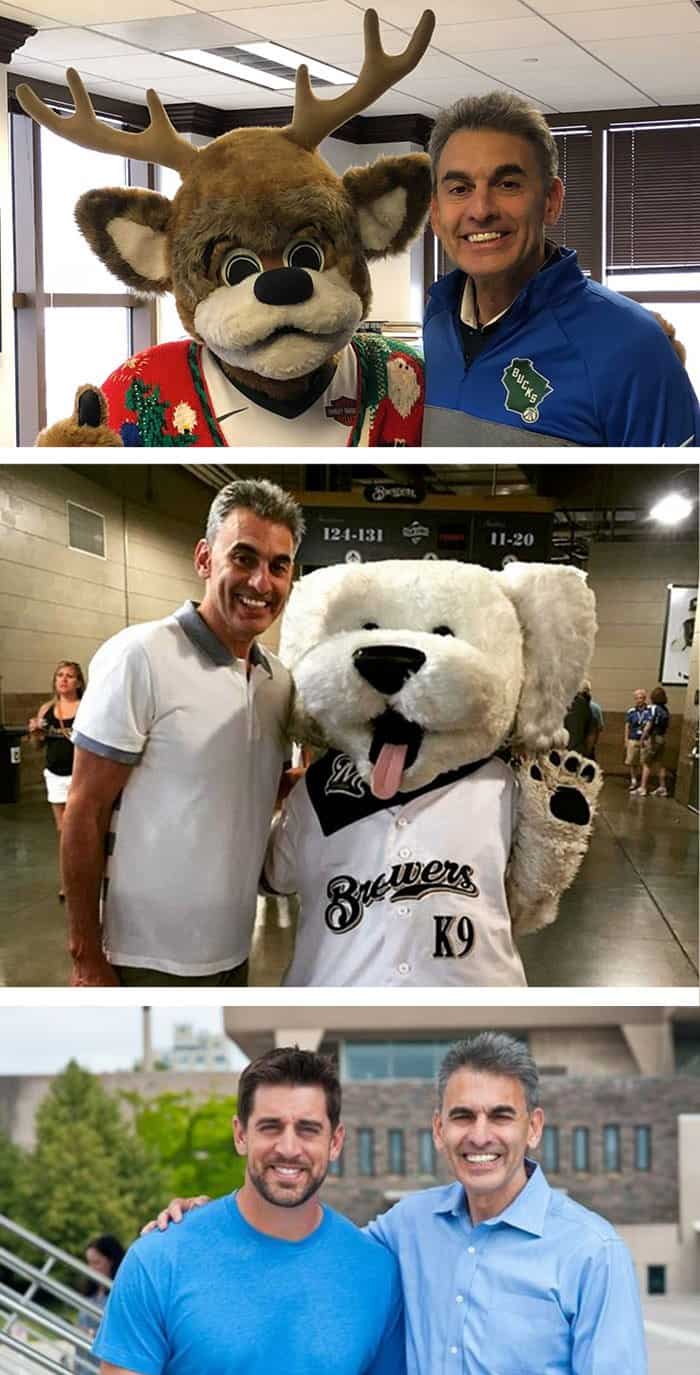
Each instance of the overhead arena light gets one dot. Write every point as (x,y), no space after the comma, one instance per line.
(671,509)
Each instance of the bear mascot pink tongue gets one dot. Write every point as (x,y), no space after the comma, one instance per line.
(445,815)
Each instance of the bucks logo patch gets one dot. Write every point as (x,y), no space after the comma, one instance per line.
(526,389)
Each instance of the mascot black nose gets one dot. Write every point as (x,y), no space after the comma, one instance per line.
(387,667)
(283,286)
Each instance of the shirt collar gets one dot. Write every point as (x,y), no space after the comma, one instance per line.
(468,313)
(203,637)
(527,1211)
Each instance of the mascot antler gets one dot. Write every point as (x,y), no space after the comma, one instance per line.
(159,143)
(314,119)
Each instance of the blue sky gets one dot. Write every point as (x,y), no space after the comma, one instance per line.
(41,1040)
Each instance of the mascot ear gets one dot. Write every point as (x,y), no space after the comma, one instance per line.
(391,196)
(312,599)
(556,611)
(127,229)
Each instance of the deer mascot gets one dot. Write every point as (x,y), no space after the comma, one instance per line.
(266,250)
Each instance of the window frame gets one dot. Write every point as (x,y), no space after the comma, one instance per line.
(30,300)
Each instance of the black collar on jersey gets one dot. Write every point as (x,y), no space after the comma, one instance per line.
(201,635)
(287,409)
(339,797)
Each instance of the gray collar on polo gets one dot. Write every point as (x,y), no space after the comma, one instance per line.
(201,635)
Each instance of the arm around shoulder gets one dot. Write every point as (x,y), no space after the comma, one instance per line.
(647,399)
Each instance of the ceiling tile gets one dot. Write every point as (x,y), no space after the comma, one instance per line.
(406,13)
(621,23)
(566,85)
(72,46)
(555,7)
(37,21)
(501,33)
(150,68)
(188,31)
(662,48)
(39,71)
(441,93)
(93,11)
(289,22)
(209,84)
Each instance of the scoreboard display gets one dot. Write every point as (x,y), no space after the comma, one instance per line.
(356,535)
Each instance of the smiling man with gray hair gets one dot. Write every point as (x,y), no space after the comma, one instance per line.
(520,347)
(180,744)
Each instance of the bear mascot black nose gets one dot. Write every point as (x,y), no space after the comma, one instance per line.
(386,667)
(283,286)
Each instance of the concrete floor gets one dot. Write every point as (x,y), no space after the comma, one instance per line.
(672,1329)
(631,918)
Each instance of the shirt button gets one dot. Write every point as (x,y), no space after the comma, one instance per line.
(404,968)
(471,1250)
(402,821)
(459,1298)
(404,852)
(453,1350)
(403,911)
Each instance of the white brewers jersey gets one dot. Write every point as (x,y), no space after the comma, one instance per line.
(401,893)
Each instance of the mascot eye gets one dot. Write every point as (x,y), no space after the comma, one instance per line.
(441,630)
(239,265)
(370,625)
(304,253)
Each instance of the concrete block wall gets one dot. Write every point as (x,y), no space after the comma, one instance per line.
(60,603)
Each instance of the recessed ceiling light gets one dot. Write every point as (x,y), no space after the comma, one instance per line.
(671,509)
(275,53)
(198,57)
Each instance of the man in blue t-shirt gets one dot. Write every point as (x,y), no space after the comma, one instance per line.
(636,720)
(267,1278)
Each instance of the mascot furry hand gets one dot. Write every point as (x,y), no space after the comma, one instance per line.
(416,850)
(266,251)
(86,428)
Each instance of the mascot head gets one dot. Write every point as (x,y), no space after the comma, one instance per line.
(264,247)
(415,668)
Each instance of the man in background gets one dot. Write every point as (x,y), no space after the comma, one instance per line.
(636,720)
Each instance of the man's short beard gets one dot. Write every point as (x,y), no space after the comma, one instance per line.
(258,1181)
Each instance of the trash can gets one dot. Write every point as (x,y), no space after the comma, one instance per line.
(10,759)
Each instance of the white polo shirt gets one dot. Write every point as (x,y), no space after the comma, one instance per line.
(187,837)
(405,893)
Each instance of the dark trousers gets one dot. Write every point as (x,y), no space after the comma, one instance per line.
(131,977)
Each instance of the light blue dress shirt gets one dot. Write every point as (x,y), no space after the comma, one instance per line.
(545,1288)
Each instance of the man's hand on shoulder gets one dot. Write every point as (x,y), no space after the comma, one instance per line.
(174,1212)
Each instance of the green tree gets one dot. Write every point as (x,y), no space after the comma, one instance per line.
(90,1172)
(192,1141)
(13,1166)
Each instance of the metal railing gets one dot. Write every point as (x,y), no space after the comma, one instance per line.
(33,1336)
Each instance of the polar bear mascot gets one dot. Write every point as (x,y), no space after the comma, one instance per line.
(417,849)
